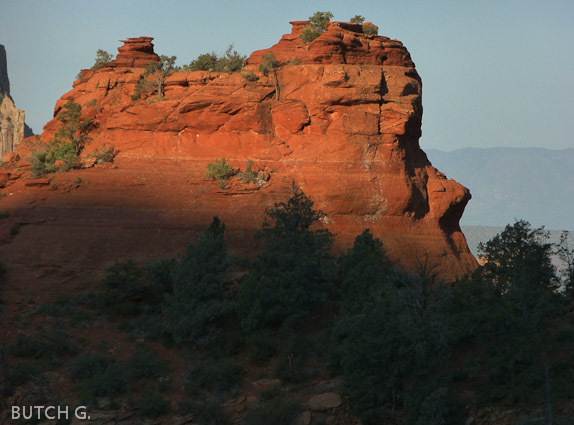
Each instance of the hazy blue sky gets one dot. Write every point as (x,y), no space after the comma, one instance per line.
(495,72)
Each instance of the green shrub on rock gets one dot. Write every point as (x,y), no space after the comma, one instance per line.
(159,71)
(230,61)
(250,175)
(104,153)
(308,34)
(102,59)
(204,62)
(220,170)
(317,25)
(67,144)
(370,29)
(250,76)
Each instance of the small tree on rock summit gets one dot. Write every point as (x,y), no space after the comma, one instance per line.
(317,25)
(159,71)
(102,59)
(269,64)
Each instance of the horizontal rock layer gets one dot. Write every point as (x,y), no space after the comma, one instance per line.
(345,130)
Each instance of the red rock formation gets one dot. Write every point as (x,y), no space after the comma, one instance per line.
(135,53)
(345,129)
(341,43)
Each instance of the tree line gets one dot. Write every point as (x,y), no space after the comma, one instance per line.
(403,341)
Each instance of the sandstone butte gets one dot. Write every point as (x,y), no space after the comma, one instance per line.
(345,130)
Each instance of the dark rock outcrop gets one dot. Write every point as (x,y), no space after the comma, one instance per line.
(12,126)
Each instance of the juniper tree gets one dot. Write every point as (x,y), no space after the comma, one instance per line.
(160,71)
(290,274)
(317,25)
(269,64)
(102,59)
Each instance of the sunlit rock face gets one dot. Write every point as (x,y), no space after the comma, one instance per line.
(344,127)
(11,118)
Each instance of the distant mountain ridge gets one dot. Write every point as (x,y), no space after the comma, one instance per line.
(535,184)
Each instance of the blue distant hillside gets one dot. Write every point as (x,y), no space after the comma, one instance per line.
(533,184)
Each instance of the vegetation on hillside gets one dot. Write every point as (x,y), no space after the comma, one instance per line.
(291,273)
(399,339)
(269,65)
(159,71)
(230,61)
(317,25)
(153,78)
(370,29)
(64,149)
(62,152)
(102,59)
(410,350)
(221,171)
(357,19)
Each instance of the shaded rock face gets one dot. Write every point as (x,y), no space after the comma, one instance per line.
(12,124)
(4,81)
(345,130)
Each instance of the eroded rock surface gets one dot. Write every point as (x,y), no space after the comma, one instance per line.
(345,129)
(12,124)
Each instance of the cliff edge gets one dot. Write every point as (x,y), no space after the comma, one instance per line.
(340,118)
